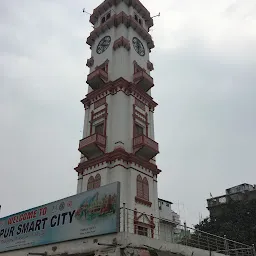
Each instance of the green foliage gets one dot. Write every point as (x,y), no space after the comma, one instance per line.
(238,222)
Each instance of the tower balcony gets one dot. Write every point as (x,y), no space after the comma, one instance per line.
(92,146)
(145,147)
(143,80)
(97,79)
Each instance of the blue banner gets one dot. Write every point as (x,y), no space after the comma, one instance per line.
(91,213)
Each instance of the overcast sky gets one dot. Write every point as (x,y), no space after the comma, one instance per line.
(205,84)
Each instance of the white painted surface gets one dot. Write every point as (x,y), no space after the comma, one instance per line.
(166,232)
(120,117)
(126,174)
(121,60)
(166,212)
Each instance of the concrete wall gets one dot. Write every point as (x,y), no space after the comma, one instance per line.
(126,174)
(165,210)
(166,232)
(121,60)
(119,130)
(91,245)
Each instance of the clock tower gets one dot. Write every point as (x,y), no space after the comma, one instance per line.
(118,141)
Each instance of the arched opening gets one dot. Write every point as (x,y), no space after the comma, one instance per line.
(139,187)
(97,181)
(90,183)
(142,188)
(145,189)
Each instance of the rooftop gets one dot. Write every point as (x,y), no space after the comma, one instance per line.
(165,201)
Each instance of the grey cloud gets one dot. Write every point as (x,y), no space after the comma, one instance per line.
(205,123)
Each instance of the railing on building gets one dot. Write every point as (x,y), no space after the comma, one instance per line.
(182,234)
(95,138)
(144,140)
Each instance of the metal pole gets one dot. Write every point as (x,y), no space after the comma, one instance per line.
(185,229)
(217,248)
(226,245)
(235,249)
(253,250)
(123,217)
(208,244)
(158,229)
(198,238)
(127,221)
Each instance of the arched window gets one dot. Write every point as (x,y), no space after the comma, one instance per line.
(94,182)
(108,15)
(97,181)
(90,183)
(140,21)
(139,187)
(103,20)
(136,17)
(145,189)
(142,188)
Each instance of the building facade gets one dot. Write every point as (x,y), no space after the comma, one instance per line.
(242,192)
(169,221)
(118,141)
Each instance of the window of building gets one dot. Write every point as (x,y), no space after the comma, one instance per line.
(142,231)
(139,187)
(97,181)
(105,17)
(94,182)
(137,68)
(108,16)
(99,128)
(145,189)
(138,130)
(138,19)
(142,188)
(103,66)
(90,183)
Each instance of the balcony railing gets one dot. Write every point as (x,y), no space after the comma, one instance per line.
(92,146)
(97,78)
(145,147)
(143,80)
(182,235)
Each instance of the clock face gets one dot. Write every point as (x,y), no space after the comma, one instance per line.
(138,46)
(103,44)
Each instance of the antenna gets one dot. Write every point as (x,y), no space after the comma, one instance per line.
(158,15)
(84,11)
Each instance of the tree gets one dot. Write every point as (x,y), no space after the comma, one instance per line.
(238,222)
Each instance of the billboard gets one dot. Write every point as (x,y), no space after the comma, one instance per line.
(91,213)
